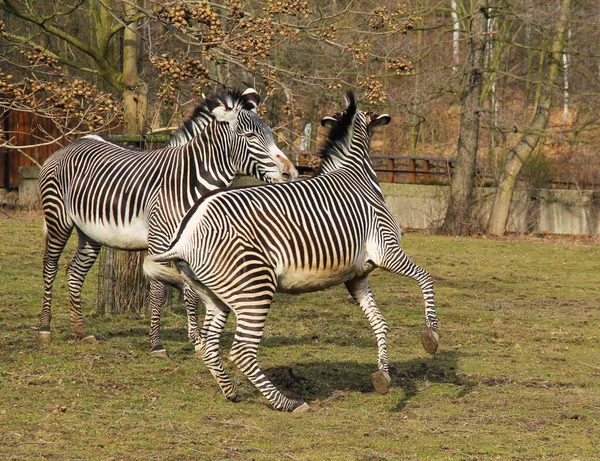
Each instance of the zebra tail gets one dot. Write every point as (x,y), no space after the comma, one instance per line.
(161,273)
(44,236)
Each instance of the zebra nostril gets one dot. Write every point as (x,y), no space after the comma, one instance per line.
(286,176)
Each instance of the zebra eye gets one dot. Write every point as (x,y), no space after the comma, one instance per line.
(250,135)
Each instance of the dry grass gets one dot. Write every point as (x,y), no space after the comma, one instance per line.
(517,375)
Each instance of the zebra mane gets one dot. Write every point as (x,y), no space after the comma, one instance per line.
(337,141)
(202,115)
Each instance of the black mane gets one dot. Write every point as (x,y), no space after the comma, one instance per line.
(202,115)
(337,137)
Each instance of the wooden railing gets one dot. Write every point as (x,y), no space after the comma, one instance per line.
(392,168)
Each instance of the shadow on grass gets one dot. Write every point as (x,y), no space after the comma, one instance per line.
(320,380)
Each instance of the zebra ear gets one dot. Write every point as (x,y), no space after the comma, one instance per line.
(378,120)
(250,99)
(329,121)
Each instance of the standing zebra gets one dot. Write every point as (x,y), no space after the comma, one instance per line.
(237,248)
(134,200)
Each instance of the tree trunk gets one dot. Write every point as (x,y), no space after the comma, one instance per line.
(124,276)
(458,215)
(522,151)
(455,34)
(135,98)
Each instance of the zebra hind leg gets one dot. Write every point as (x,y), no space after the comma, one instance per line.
(56,234)
(157,301)
(192,303)
(210,349)
(395,260)
(361,292)
(210,309)
(249,331)
(85,257)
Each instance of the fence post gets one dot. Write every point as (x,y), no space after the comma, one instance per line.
(412,177)
(391,168)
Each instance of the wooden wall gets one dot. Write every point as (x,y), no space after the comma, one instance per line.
(24,129)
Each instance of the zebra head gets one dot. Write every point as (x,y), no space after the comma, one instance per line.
(254,151)
(348,142)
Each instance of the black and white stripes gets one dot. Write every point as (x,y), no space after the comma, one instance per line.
(130,199)
(237,247)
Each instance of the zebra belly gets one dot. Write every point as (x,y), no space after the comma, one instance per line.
(304,281)
(130,236)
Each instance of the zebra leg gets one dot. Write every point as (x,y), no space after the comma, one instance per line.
(361,292)
(249,331)
(210,309)
(85,257)
(157,300)
(57,231)
(210,350)
(395,260)
(191,304)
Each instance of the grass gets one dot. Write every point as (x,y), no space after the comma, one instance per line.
(516,377)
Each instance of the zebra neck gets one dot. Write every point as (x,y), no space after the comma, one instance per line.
(360,168)
(209,159)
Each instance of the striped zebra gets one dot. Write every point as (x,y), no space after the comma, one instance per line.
(134,200)
(236,248)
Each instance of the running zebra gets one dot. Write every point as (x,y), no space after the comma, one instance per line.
(134,200)
(236,248)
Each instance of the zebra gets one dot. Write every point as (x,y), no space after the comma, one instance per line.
(236,248)
(190,128)
(133,200)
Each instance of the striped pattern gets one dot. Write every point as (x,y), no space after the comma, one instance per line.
(190,128)
(238,247)
(132,200)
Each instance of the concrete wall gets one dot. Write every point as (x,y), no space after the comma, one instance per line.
(423,207)
(533,210)
(29,190)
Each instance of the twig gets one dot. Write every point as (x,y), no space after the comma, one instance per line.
(588,365)
(83,374)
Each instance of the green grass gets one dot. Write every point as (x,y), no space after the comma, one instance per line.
(516,377)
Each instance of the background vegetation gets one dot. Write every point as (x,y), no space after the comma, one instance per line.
(516,376)
(491,83)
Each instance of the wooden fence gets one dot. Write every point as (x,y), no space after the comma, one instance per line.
(399,169)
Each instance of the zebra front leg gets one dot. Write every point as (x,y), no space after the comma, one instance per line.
(249,331)
(395,260)
(85,257)
(361,292)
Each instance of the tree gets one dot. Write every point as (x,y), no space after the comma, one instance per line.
(458,215)
(521,152)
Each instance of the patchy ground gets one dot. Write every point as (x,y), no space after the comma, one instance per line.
(517,375)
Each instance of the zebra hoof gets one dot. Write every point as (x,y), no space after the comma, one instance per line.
(381,382)
(300,407)
(43,336)
(430,340)
(161,353)
(235,398)
(90,339)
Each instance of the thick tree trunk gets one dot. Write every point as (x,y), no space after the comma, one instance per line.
(458,215)
(522,151)
(135,98)
(124,287)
